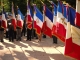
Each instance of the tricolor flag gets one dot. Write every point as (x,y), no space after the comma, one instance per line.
(72,45)
(77,20)
(54,18)
(13,20)
(29,17)
(20,19)
(68,40)
(61,21)
(4,21)
(38,20)
(47,24)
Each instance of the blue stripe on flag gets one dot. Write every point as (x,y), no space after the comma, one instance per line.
(65,12)
(31,11)
(71,16)
(4,12)
(49,14)
(55,10)
(28,7)
(19,12)
(39,14)
(60,7)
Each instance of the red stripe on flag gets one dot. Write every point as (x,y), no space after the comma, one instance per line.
(19,23)
(29,21)
(61,31)
(4,24)
(37,28)
(46,30)
(14,23)
(77,21)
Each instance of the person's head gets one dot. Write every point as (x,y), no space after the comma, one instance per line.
(10,16)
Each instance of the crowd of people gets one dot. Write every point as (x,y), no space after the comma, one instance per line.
(12,34)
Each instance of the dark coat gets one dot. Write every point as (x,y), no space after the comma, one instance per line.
(11,30)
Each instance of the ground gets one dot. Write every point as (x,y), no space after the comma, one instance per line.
(32,50)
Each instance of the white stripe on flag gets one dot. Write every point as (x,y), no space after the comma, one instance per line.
(39,22)
(48,22)
(75,35)
(78,6)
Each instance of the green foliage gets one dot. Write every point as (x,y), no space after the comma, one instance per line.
(23,4)
(6,5)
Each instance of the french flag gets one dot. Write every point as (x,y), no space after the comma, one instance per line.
(54,19)
(61,21)
(77,20)
(13,20)
(20,19)
(72,43)
(68,40)
(29,17)
(47,24)
(38,20)
(4,21)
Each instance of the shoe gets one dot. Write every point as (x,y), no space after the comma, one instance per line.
(27,40)
(20,40)
(9,40)
(55,42)
(2,41)
(39,40)
(17,40)
(12,40)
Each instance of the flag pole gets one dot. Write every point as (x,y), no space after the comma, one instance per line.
(43,11)
(33,31)
(53,36)
(44,36)
(26,13)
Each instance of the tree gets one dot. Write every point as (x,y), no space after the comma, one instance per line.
(6,5)
(23,4)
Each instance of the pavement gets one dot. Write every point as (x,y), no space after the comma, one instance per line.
(32,50)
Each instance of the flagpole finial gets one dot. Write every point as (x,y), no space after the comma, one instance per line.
(33,4)
(41,2)
(17,6)
(58,0)
(27,0)
(67,4)
(51,2)
(48,0)
(64,2)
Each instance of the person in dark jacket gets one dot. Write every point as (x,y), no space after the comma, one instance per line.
(7,35)
(24,29)
(29,33)
(29,28)
(11,32)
